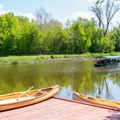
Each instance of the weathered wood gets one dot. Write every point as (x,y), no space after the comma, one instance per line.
(60,109)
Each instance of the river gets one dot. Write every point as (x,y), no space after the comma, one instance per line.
(80,76)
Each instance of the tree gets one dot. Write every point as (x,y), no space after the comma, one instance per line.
(8,34)
(30,41)
(81,35)
(42,19)
(104,11)
(101,43)
(56,41)
(116,38)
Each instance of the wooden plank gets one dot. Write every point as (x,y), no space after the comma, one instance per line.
(58,109)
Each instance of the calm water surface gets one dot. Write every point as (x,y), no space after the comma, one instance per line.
(80,76)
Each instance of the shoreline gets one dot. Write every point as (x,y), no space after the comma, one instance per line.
(34,59)
(68,59)
(49,60)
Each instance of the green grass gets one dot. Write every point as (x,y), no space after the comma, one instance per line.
(14,60)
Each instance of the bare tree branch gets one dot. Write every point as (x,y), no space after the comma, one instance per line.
(105,13)
(42,16)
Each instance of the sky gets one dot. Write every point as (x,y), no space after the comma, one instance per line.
(61,10)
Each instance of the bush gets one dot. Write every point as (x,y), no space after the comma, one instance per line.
(14,62)
(52,57)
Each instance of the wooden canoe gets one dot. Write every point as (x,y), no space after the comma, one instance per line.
(20,99)
(98,102)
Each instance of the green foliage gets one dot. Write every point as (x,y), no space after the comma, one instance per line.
(19,36)
(116,38)
(14,62)
(52,57)
(101,43)
(82,31)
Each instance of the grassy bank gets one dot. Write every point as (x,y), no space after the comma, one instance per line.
(14,60)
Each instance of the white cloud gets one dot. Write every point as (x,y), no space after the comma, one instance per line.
(30,16)
(1,6)
(117,2)
(2,11)
(78,14)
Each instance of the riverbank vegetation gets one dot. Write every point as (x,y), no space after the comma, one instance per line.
(14,60)
(47,36)
(19,36)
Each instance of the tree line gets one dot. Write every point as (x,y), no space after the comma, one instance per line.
(44,35)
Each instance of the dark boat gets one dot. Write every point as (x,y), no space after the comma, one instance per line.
(106,61)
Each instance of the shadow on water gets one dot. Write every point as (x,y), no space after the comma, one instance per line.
(80,76)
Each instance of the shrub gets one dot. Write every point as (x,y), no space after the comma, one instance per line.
(14,62)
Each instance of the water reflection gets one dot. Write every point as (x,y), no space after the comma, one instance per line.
(66,92)
(80,76)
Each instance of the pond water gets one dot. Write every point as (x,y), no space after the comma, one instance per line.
(80,76)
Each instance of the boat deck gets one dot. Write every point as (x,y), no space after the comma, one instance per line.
(60,109)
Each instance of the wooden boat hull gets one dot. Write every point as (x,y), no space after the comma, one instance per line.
(105,64)
(106,61)
(34,96)
(98,102)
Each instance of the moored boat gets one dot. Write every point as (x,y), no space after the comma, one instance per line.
(99,102)
(20,99)
(106,61)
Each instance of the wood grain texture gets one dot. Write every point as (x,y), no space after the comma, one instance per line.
(59,109)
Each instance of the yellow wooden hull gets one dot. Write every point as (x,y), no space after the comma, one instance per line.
(11,101)
(97,101)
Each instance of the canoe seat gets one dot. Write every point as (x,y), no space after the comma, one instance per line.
(25,98)
(38,92)
(42,92)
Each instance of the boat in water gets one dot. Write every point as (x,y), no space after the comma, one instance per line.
(106,61)
(29,97)
(98,102)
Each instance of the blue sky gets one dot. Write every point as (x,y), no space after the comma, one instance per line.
(59,9)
